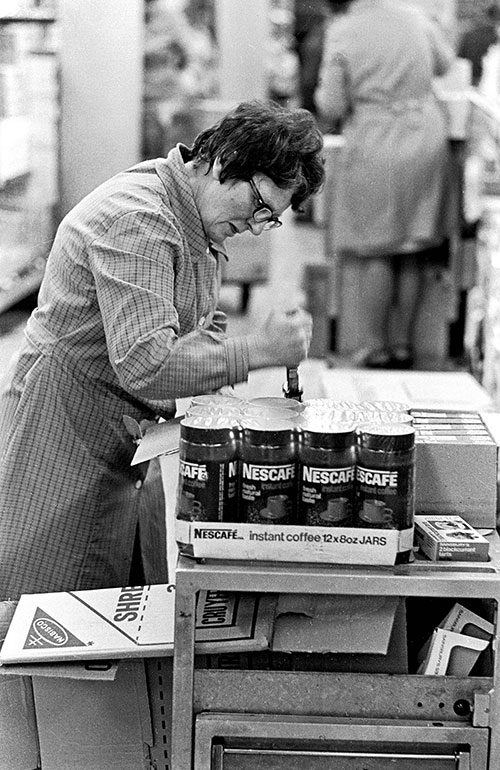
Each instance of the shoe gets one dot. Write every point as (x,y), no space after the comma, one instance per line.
(373,359)
(402,357)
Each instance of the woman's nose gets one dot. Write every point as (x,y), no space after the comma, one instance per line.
(256,228)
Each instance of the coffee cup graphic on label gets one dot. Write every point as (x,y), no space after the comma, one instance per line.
(336,510)
(277,508)
(376,513)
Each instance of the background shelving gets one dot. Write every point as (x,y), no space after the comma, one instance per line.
(29,150)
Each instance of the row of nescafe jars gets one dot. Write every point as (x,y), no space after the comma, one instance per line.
(277,461)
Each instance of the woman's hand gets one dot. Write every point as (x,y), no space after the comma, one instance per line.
(283,340)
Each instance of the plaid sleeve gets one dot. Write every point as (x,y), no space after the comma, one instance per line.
(150,296)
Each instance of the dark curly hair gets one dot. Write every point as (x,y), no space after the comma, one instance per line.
(284,144)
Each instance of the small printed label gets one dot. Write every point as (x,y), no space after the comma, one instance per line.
(326,495)
(206,491)
(268,493)
(342,545)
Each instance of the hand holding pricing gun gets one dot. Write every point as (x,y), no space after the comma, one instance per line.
(283,340)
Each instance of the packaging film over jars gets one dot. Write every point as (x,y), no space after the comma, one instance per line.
(277,461)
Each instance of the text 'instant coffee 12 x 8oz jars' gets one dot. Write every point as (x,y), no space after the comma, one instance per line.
(207,488)
(385,481)
(267,471)
(326,471)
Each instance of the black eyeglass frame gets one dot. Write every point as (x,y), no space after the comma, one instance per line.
(263,214)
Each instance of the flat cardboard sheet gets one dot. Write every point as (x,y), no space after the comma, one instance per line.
(434,390)
(322,623)
(342,633)
(130,622)
(158,440)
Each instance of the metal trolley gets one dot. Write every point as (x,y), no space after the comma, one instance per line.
(260,719)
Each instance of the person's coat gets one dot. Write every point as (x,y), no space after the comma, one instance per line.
(376,77)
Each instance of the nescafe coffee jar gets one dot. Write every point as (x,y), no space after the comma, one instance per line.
(326,471)
(267,471)
(385,481)
(207,486)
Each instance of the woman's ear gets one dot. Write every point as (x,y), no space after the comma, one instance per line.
(217,168)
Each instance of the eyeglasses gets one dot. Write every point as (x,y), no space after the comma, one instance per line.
(263,213)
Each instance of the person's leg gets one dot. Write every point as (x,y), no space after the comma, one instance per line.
(409,272)
(374,310)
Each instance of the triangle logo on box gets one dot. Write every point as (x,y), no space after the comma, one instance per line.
(47,632)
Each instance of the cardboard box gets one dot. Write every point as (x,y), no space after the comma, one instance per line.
(451,653)
(107,715)
(456,461)
(104,716)
(463,621)
(92,723)
(130,622)
(261,542)
(119,724)
(453,475)
(439,648)
(18,730)
(449,538)
(349,633)
(87,721)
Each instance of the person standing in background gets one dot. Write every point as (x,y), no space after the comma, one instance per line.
(310,17)
(475,42)
(376,77)
(309,26)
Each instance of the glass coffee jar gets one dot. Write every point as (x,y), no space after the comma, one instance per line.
(326,471)
(267,471)
(385,481)
(207,486)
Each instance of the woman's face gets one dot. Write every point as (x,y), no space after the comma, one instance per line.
(226,208)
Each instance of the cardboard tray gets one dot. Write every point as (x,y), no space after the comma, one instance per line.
(130,622)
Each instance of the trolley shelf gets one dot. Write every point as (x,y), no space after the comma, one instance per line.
(312,694)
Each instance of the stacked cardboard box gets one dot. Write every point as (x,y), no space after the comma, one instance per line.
(456,643)
(451,538)
(456,465)
(93,684)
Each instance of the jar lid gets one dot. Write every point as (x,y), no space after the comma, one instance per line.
(211,410)
(389,437)
(268,412)
(278,402)
(267,430)
(216,398)
(334,435)
(208,429)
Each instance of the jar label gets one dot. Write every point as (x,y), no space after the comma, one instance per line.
(267,493)
(385,497)
(326,495)
(207,491)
